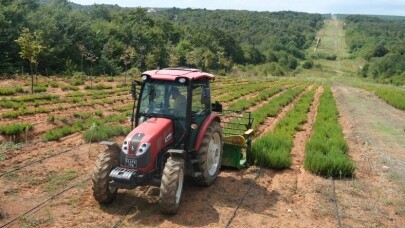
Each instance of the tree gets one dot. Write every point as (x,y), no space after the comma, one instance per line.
(92,58)
(31,46)
(127,58)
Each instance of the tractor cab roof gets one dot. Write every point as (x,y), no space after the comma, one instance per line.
(172,74)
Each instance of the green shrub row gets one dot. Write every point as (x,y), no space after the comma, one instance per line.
(273,149)
(80,125)
(274,106)
(243,104)
(15,128)
(326,150)
(10,91)
(70,87)
(393,96)
(24,112)
(98,87)
(241,91)
(103,132)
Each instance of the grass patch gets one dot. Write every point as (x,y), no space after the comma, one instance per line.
(56,180)
(326,150)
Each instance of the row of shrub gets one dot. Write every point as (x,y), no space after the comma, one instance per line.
(242,91)
(274,106)
(84,122)
(326,150)
(15,128)
(273,149)
(393,96)
(10,91)
(243,104)
(270,109)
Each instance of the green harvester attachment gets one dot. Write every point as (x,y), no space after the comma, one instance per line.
(238,133)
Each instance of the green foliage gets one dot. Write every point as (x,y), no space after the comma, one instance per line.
(380,42)
(40,89)
(70,87)
(103,132)
(392,95)
(15,128)
(7,91)
(98,87)
(67,37)
(54,84)
(273,149)
(326,150)
(307,64)
(58,133)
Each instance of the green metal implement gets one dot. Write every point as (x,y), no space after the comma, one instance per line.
(237,138)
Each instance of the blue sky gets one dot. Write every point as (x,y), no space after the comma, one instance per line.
(377,7)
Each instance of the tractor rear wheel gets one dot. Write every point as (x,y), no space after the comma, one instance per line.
(209,155)
(171,186)
(102,191)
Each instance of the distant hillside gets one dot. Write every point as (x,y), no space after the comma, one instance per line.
(384,17)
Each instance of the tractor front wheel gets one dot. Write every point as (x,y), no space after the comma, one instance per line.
(102,191)
(171,186)
(209,155)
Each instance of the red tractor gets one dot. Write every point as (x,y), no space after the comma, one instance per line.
(176,132)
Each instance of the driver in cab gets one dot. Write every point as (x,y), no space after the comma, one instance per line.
(180,102)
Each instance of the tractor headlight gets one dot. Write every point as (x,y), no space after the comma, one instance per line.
(145,77)
(125,147)
(143,149)
(182,80)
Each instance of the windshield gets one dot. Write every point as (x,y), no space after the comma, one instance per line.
(162,98)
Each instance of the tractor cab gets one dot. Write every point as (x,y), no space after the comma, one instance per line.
(182,98)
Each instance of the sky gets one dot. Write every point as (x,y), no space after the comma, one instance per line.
(374,7)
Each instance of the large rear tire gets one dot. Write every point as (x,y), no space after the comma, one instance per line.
(171,187)
(102,191)
(209,155)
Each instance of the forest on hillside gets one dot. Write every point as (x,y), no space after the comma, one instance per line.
(382,45)
(58,37)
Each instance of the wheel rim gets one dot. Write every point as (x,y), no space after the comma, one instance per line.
(179,186)
(213,154)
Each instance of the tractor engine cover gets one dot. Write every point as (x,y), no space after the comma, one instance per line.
(143,144)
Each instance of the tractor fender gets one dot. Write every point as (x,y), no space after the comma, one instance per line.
(111,145)
(212,117)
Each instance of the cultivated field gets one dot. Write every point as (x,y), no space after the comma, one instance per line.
(326,154)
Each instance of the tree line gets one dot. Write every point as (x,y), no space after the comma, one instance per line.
(58,37)
(382,45)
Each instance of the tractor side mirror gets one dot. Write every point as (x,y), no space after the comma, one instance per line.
(216,107)
(206,96)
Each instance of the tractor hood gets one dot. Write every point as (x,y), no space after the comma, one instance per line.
(149,137)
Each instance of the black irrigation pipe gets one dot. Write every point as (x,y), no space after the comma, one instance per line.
(242,199)
(335,204)
(40,160)
(129,209)
(38,206)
